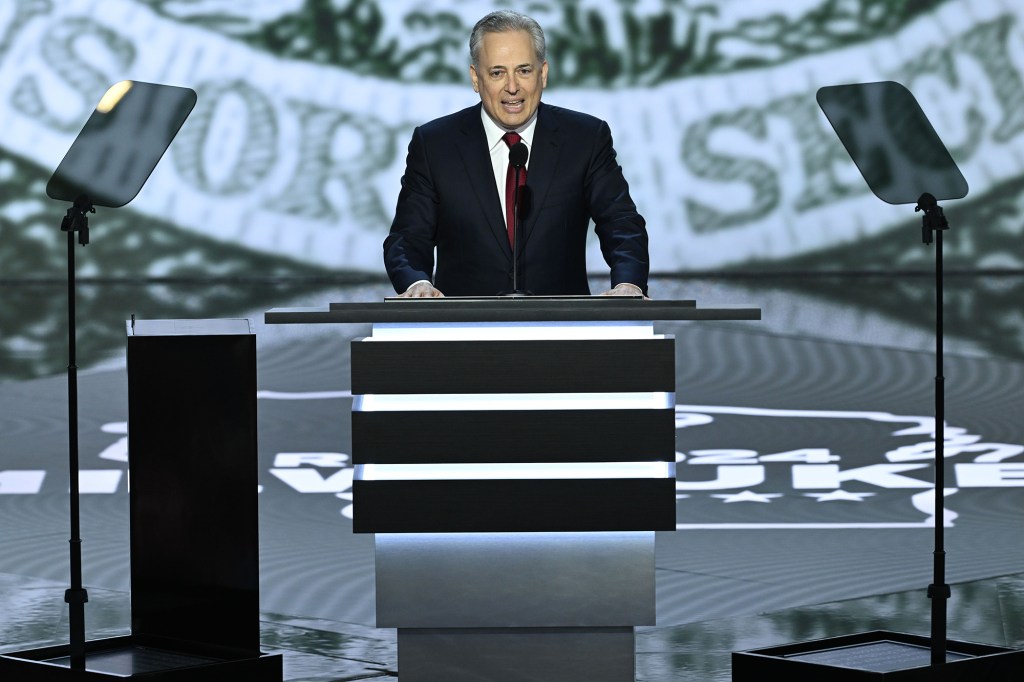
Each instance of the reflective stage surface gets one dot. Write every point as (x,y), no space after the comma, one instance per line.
(803,479)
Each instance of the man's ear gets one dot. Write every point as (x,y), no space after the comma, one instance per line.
(473,78)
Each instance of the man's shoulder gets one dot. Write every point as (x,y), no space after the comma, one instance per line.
(454,121)
(569,118)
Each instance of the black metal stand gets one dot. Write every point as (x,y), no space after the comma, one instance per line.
(861,115)
(208,630)
(891,656)
(934,222)
(75,221)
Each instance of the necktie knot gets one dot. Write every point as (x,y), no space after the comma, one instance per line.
(511,139)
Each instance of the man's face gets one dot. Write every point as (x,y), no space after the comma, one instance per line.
(509,80)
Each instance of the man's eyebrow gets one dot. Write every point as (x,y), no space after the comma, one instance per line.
(502,66)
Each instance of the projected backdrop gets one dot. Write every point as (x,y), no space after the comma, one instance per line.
(290,163)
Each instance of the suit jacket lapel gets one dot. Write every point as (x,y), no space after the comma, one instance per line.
(477,160)
(547,142)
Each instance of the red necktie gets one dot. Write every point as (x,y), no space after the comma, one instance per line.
(510,188)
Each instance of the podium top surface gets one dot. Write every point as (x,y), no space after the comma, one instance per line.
(209,327)
(508,309)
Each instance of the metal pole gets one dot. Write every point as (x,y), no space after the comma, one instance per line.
(932,225)
(939,590)
(75,596)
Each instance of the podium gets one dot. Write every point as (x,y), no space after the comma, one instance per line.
(514,459)
(193,516)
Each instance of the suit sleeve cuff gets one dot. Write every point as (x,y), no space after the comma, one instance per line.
(634,286)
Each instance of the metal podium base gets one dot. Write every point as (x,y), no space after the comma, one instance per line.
(133,657)
(516,655)
(877,656)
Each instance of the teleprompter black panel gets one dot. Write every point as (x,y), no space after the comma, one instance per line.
(520,505)
(535,366)
(513,436)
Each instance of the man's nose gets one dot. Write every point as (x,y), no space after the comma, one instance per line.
(512,84)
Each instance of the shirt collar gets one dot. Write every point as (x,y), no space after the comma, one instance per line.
(495,132)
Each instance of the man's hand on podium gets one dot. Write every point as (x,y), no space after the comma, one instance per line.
(421,289)
(625,289)
(424,289)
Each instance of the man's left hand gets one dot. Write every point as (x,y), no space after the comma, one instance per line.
(625,289)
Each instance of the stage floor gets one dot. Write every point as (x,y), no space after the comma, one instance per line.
(804,490)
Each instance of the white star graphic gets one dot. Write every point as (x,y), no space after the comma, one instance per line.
(839,495)
(748,496)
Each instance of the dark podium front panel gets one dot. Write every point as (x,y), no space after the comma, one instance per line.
(600,435)
(515,505)
(522,366)
(591,467)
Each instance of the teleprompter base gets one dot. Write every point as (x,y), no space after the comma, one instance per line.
(140,658)
(877,656)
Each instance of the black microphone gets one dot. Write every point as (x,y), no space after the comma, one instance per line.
(517,156)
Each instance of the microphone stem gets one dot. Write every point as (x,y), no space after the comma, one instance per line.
(515,234)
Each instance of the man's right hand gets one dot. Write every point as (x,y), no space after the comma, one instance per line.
(421,290)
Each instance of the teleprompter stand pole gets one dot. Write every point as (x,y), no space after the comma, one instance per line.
(214,575)
(934,221)
(872,121)
(75,221)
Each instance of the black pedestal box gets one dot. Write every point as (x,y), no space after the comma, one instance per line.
(193,516)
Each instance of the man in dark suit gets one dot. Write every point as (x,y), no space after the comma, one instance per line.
(454,197)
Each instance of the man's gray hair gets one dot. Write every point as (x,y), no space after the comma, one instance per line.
(502,21)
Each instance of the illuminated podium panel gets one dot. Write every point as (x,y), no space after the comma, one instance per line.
(526,550)
(514,460)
